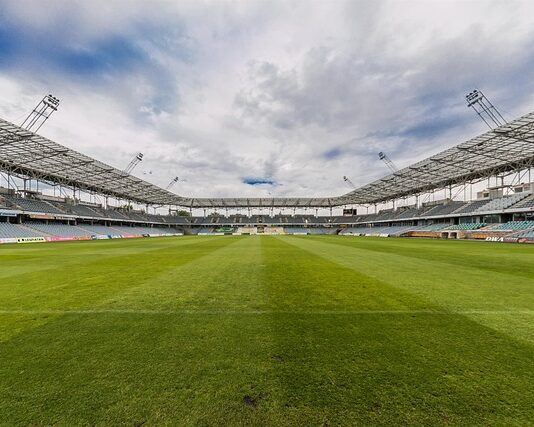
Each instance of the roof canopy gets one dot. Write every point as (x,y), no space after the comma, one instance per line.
(507,148)
(27,154)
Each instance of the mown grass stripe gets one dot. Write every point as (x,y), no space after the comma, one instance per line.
(454,288)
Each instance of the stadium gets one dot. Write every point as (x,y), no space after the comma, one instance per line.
(503,212)
(404,300)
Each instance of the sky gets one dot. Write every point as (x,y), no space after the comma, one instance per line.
(264,98)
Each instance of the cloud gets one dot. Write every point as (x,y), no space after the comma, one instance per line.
(300,93)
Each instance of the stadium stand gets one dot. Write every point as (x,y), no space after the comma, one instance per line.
(280,219)
(206,230)
(122,222)
(3,203)
(527,235)
(99,229)
(10,231)
(309,230)
(472,206)
(514,225)
(444,209)
(526,203)
(57,229)
(33,205)
(501,203)
(136,216)
(377,231)
(139,230)
(115,214)
(175,219)
(295,230)
(467,226)
(77,210)
(408,213)
(385,214)
(431,227)
(321,230)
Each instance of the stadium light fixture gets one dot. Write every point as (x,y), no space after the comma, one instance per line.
(135,161)
(41,113)
(485,109)
(174,181)
(383,156)
(349,182)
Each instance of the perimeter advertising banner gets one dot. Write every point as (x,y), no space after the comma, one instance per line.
(77,238)
(4,212)
(8,240)
(30,239)
(66,239)
(41,216)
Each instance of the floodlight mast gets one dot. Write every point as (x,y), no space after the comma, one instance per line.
(349,182)
(135,161)
(383,156)
(173,181)
(41,113)
(485,109)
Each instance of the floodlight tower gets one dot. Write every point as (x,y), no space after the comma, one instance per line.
(135,161)
(485,109)
(41,113)
(349,182)
(174,181)
(383,156)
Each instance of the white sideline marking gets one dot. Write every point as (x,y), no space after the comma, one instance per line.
(262,312)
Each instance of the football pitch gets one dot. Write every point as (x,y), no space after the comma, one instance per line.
(259,330)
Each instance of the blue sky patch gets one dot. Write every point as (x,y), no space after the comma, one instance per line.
(258,181)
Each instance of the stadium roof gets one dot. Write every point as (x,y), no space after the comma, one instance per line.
(27,154)
(506,148)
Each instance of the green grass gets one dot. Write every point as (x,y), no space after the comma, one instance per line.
(287,330)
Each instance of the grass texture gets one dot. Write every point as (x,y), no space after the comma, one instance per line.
(267,330)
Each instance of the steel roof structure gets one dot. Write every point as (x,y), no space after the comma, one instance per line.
(26,154)
(504,149)
(266,202)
